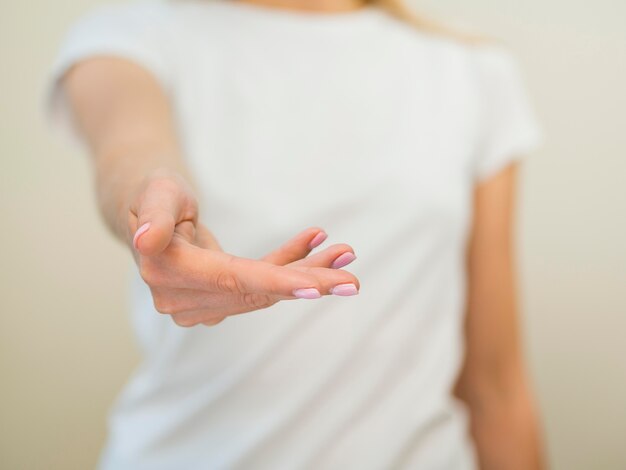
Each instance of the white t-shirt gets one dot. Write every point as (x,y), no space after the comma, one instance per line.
(354,122)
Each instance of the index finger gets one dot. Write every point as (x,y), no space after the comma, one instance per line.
(188,266)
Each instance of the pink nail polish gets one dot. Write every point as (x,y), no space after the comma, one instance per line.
(140,231)
(318,239)
(344,290)
(309,293)
(343,260)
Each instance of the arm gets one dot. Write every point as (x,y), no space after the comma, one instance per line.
(125,118)
(146,200)
(493,382)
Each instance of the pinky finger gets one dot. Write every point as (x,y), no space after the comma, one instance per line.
(236,305)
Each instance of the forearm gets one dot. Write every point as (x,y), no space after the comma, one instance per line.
(505,429)
(125,118)
(493,381)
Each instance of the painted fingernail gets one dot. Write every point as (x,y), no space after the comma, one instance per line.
(140,231)
(344,290)
(343,260)
(318,239)
(309,293)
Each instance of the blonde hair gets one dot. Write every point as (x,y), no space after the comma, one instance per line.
(401,10)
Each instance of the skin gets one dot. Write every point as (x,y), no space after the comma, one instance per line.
(493,381)
(125,117)
(141,179)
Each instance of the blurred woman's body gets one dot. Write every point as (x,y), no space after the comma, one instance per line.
(332,114)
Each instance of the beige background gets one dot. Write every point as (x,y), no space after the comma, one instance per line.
(65,345)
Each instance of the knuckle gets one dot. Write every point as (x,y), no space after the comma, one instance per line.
(257,301)
(272,284)
(226,281)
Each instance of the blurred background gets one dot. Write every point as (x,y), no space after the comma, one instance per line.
(65,343)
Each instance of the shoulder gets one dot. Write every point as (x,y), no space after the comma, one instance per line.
(510,128)
(488,67)
(499,81)
(495,63)
(135,28)
(468,51)
(137,31)
(486,60)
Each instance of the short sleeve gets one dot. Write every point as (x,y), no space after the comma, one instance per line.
(508,128)
(136,32)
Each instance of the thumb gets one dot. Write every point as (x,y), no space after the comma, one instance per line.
(158,213)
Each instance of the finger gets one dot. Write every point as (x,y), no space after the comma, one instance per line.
(335,256)
(190,307)
(263,278)
(160,209)
(337,282)
(334,281)
(186,230)
(298,247)
(172,301)
(260,277)
(175,301)
(212,316)
(220,272)
(183,265)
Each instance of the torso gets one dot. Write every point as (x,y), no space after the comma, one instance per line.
(362,126)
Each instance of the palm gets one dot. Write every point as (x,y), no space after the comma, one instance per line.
(195,281)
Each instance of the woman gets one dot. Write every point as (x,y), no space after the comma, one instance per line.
(273,116)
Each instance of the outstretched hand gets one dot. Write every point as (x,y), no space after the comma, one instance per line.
(193,280)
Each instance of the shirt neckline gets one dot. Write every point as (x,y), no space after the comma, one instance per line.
(311,17)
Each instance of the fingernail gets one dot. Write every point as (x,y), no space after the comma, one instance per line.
(343,260)
(309,293)
(317,240)
(344,290)
(140,231)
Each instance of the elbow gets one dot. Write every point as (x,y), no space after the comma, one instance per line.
(493,388)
